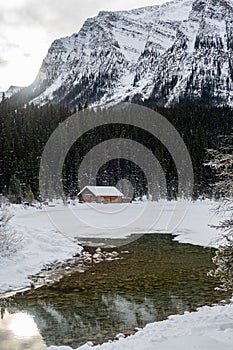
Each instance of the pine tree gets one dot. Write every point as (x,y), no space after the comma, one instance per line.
(29,195)
(222,163)
(85,105)
(15,190)
(80,107)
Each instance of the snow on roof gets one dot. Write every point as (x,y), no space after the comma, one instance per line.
(103,190)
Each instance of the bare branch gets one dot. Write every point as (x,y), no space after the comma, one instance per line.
(9,240)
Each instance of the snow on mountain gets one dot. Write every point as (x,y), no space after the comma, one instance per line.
(10,92)
(180,51)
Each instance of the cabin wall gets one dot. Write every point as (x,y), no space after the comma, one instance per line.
(115,199)
(112,199)
(87,196)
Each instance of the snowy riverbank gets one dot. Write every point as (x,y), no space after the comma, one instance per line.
(42,243)
(36,248)
(206,329)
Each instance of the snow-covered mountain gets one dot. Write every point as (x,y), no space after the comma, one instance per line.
(179,51)
(10,92)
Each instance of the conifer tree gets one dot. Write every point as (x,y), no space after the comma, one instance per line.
(15,189)
(222,163)
(29,194)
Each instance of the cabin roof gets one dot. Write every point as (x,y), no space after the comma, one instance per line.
(103,191)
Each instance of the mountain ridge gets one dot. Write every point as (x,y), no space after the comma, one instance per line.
(10,92)
(177,52)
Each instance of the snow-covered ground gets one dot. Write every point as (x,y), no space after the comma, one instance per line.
(37,247)
(189,220)
(48,234)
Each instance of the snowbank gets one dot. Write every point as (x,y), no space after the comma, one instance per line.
(38,246)
(210,328)
(120,220)
(48,233)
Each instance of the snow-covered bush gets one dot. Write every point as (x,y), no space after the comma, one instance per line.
(9,240)
(223,260)
(222,162)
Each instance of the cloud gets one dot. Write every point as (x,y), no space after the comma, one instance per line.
(28,27)
(60,17)
(11,45)
(3,62)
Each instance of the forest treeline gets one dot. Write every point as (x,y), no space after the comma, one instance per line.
(25,130)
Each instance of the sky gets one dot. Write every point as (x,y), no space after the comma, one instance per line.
(28,27)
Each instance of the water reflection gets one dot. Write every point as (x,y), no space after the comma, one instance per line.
(18,331)
(74,319)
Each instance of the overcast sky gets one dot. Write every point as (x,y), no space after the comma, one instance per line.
(28,27)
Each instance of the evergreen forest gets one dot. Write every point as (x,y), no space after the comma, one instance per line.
(24,131)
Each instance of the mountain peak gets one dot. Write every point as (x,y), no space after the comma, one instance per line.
(200,5)
(181,50)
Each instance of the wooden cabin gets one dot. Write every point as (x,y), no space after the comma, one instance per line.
(100,194)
